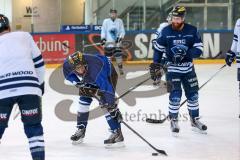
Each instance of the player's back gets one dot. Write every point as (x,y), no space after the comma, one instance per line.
(17,71)
(15,51)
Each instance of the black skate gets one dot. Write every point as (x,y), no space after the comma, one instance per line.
(120,68)
(121,71)
(174,127)
(115,140)
(78,136)
(198,126)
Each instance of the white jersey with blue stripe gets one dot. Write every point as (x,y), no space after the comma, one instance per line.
(169,39)
(21,65)
(160,28)
(236,42)
(111,30)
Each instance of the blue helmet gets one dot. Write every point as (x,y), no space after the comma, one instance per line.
(4,23)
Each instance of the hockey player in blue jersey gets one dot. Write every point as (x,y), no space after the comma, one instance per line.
(181,42)
(95,77)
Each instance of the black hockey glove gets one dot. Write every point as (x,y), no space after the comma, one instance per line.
(156,71)
(179,54)
(88,91)
(113,111)
(103,42)
(230,57)
(118,40)
(42,86)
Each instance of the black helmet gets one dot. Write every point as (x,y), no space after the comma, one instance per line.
(113,11)
(4,23)
(179,11)
(76,58)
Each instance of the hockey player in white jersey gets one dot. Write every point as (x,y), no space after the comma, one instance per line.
(234,52)
(112,34)
(163,25)
(22,83)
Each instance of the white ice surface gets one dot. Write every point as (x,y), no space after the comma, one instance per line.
(219,107)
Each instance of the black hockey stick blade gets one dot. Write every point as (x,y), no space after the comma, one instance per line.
(157,150)
(156,121)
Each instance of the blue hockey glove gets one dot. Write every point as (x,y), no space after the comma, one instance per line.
(230,57)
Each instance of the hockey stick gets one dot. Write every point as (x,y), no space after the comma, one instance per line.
(134,131)
(129,127)
(90,45)
(85,46)
(149,120)
(132,88)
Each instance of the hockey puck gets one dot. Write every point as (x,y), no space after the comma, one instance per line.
(154,154)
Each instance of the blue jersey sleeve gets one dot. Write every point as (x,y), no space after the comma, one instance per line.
(197,49)
(159,47)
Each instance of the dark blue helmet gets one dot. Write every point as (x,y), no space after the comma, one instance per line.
(4,23)
(113,11)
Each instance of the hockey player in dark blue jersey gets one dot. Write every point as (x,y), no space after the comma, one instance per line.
(95,77)
(181,42)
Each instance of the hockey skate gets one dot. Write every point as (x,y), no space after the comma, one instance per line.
(121,72)
(115,140)
(120,68)
(174,127)
(77,137)
(198,126)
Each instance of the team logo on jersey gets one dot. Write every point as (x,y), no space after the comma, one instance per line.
(179,41)
(179,48)
(113,33)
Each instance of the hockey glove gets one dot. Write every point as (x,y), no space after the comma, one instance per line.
(89,92)
(118,40)
(103,42)
(230,57)
(42,88)
(113,111)
(156,71)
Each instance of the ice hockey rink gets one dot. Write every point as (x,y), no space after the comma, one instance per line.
(219,108)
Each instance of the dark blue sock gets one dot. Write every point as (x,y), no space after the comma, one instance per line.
(36,141)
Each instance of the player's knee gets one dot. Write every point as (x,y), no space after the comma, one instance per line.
(84,104)
(33,130)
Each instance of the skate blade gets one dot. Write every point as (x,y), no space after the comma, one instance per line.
(197,130)
(77,142)
(115,145)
